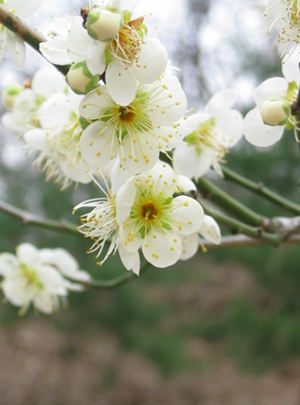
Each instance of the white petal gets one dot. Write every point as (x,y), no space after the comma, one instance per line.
(168,102)
(96,144)
(118,176)
(131,241)
(48,81)
(164,178)
(95,59)
(290,66)
(259,134)
(125,5)
(77,41)
(124,200)
(120,82)
(55,51)
(188,162)
(230,122)
(276,86)
(67,265)
(8,263)
(139,154)
(145,70)
(185,184)
(187,215)
(95,103)
(131,261)
(210,230)
(27,254)
(55,111)
(37,139)
(23,9)
(222,99)
(16,50)
(161,249)
(190,246)
(77,173)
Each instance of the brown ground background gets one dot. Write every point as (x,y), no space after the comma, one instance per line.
(41,365)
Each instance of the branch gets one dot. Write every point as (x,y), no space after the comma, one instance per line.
(231,204)
(236,226)
(242,240)
(30,219)
(118,281)
(23,31)
(262,190)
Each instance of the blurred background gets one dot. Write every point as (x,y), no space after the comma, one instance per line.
(222,328)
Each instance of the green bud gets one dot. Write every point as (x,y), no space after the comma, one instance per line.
(275,111)
(9,95)
(104,24)
(80,79)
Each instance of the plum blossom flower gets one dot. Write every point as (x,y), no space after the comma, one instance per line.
(136,132)
(127,58)
(25,101)
(210,134)
(264,125)
(152,219)
(100,224)
(40,277)
(9,42)
(57,141)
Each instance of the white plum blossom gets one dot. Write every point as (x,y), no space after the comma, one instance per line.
(39,277)
(26,100)
(210,134)
(264,125)
(57,141)
(286,15)
(136,132)
(152,219)
(100,224)
(9,42)
(126,58)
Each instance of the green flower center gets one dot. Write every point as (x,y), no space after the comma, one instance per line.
(150,210)
(208,137)
(31,277)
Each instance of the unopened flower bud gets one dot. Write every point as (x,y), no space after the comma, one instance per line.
(275,111)
(104,24)
(80,79)
(9,95)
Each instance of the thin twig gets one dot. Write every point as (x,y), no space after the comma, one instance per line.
(117,281)
(34,220)
(226,201)
(238,227)
(262,190)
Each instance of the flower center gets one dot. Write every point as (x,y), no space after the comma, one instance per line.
(293,11)
(149,211)
(31,276)
(127,114)
(207,137)
(127,45)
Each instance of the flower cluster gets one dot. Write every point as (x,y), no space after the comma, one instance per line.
(118,119)
(39,277)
